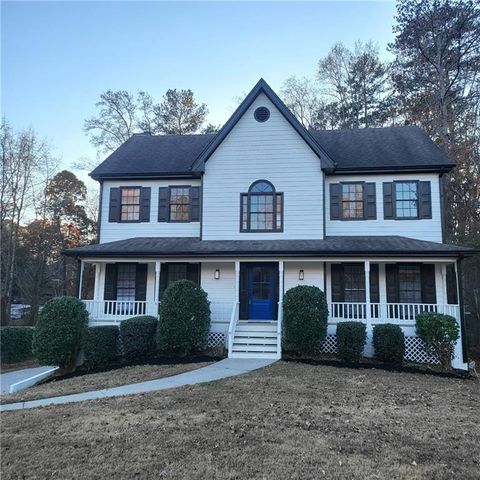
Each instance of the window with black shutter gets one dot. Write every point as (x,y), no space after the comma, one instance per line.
(172,272)
(407,199)
(353,201)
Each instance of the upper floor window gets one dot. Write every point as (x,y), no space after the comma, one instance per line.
(179,204)
(261,208)
(406,199)
(352,200)
(130,204)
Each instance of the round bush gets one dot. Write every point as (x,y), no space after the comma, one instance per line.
(100,346)
(305,316)
(184,318)
(59,330)
(389,343)
(15,344)
(137,337)
(439,334)
(351,338)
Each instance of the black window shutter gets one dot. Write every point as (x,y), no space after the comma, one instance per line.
(451,285)
(195,204)
(374,283)
(114,205)
(110,292)
(163,204)
(425,200)
(335,213)
(429,295)
(338,292)
(193,272)
(370,201)
(145,204)
(391,273)
(163,278)
(388,200)
(141,282)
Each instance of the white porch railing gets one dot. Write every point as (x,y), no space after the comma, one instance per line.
(114,311)
(400,313)
(233,324)
(220,312)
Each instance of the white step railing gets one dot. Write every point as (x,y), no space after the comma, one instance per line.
(235,313)
(401,313)
(220,312)
(114,311)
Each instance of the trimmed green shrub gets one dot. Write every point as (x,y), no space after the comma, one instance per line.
(439,334)
(305,316)
(59,331)
(100,346)
(15,344)
(389,343)
(137,335)
(351,338)
(184,318)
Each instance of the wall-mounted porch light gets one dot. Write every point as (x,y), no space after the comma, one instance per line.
(217,274)
(301,274)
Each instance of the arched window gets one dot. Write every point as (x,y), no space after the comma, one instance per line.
(261,208)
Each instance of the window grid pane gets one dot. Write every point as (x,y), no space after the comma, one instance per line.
(180,204)
(406,200)
(410,284)
(126,282)
(130,204)
(352,200)
(354,283)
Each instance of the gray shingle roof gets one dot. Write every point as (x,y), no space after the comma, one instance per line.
(152,155)
(393,148)
(329,247)
(380,148)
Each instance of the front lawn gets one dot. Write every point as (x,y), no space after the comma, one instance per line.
(96,381)
(287,421)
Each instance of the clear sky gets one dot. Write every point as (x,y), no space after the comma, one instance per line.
(57,57)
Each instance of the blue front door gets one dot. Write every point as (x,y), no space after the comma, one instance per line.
(261,291)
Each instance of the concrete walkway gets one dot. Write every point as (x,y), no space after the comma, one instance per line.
(9,378)
(229,367)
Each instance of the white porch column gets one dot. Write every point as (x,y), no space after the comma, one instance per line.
(458,360)
(237,281)
(368,313)
(158,269)
(80,281)
(382,291)
(280,280)
(96,287)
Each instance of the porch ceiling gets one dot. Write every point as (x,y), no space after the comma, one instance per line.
(348,246)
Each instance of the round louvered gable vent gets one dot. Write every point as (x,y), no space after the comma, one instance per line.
(261,114)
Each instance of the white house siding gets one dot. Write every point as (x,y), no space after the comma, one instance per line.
(110,232)
(272,151)
(426,229)
(313,274)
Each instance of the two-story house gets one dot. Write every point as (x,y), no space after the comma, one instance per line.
(265,205)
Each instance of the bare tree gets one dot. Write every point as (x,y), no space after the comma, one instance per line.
(302,97)
(22,155)
(115,122)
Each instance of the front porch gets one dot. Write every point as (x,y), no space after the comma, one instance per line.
(372,291)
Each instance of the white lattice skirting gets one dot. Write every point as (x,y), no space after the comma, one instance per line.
(414,351)
(216,339)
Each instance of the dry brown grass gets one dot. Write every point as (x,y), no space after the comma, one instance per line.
(11,367)
(287,421)
(102,380)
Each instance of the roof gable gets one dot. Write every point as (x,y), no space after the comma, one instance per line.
(263,87)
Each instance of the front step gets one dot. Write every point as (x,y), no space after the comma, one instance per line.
(255,339)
